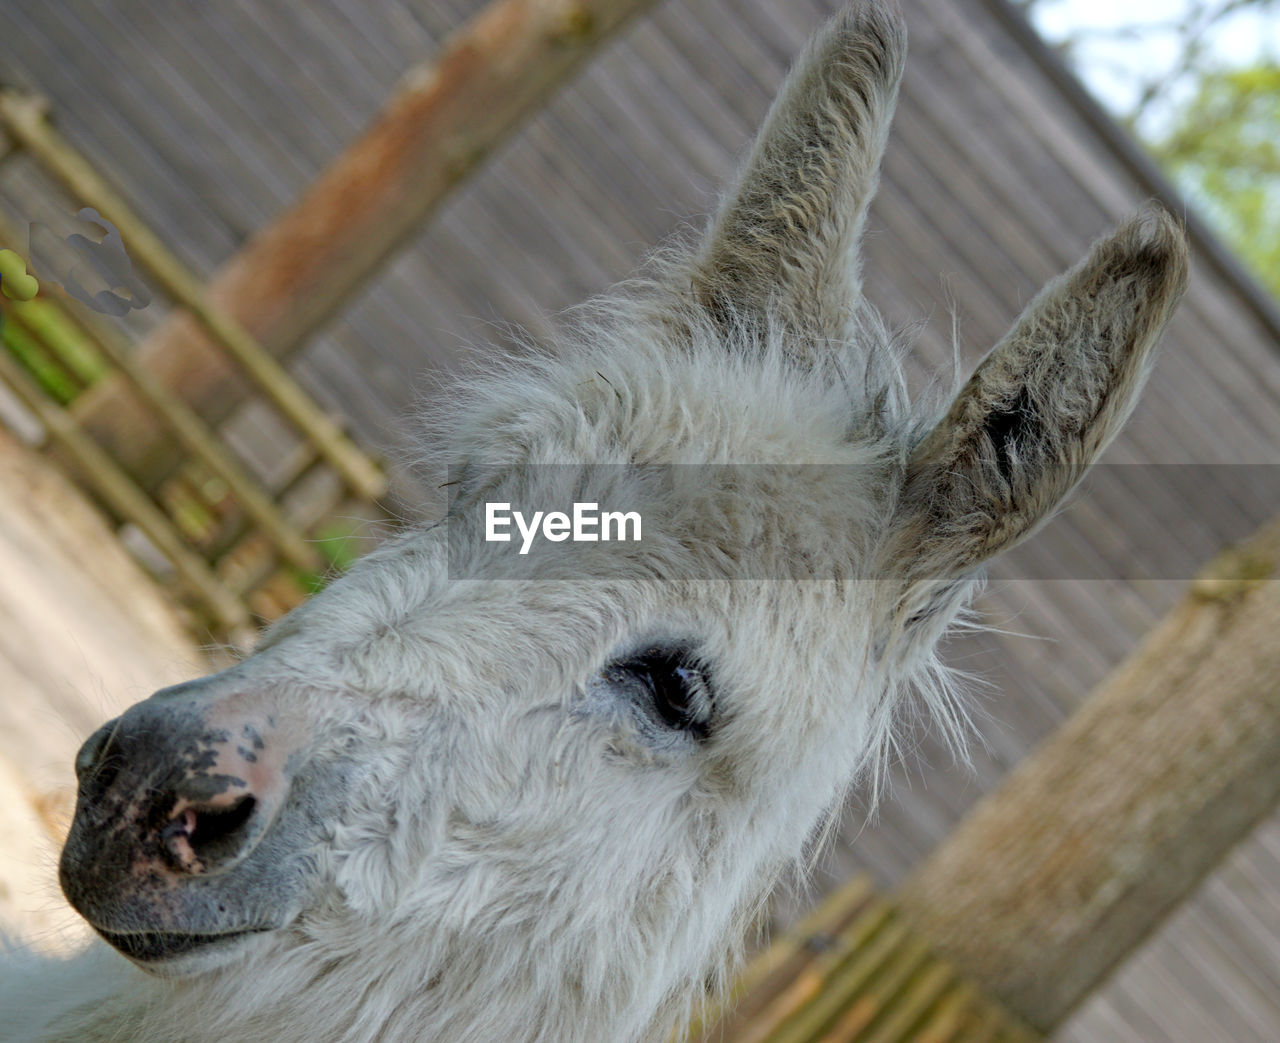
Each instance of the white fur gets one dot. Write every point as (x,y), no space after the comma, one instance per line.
(508,860)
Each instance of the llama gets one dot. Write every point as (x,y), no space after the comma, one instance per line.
(465,794)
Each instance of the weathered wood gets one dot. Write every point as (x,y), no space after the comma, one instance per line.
(1099,834)
(191,432)
(297,271)
(791,969)
(115,487)
(23,115)
(852,971)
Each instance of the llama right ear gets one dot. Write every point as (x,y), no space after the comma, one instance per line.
(1042,405)
(784,240)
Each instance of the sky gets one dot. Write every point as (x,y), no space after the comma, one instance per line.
(1116,69)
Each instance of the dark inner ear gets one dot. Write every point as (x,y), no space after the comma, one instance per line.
(1042,406)
(1011,426)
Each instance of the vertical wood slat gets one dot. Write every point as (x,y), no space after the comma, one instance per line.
(854,971)
(191,431)
(23,116)
(123,496)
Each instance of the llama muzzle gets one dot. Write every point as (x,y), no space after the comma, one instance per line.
(173,805)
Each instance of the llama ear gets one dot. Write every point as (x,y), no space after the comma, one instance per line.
(784,240)
(1044,403)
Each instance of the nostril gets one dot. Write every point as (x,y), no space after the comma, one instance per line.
(99,758)
(91,749)
(215,825)
(199,839)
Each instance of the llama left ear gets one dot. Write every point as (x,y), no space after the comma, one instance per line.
(783,242)
(1044,403)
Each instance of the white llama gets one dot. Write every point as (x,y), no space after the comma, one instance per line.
(469,794)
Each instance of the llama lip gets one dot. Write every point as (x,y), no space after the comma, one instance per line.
(151,946)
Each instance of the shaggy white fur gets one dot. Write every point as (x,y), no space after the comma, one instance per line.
(513,826)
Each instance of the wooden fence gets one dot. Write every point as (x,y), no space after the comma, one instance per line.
(140,431)
(239,549)
(854,971)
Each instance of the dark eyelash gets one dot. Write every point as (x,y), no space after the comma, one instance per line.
(677,685)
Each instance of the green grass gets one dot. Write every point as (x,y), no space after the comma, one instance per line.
(52,349)
(339,546)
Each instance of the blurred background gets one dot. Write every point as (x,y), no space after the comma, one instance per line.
(330,207)
(1198,84)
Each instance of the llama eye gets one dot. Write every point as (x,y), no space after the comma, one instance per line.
(676,687)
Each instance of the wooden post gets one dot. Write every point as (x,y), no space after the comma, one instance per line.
(297,271)
(1051,881)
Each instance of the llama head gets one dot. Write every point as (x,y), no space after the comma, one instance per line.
(565,777)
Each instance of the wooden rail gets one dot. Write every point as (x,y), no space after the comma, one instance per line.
(852,971)
(192,433)
(23,117)
(446,118)
(115,487)
(228,573)
(136,427)
(156,408)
